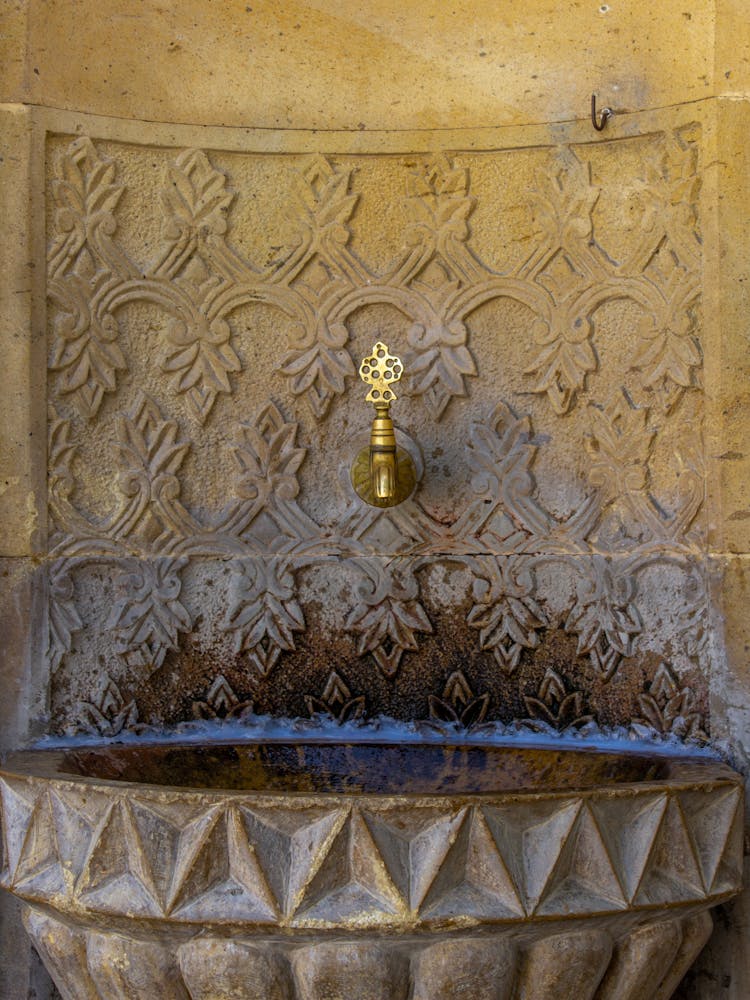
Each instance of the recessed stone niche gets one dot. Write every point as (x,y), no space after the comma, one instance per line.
(208,311)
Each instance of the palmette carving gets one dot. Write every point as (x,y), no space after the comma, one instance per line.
(567,265)
(109,715)
(388,616)
(554,706)
(668,708)
(63,619)
(439,206)
(459,706)
(267,458)
(198,351)
(83,262)
(604,617)
(222,703)
(149,454)
(320,271)
(506,613)
(336,701)
(263,614)
(148,618)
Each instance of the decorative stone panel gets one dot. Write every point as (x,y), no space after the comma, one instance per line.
(207,313)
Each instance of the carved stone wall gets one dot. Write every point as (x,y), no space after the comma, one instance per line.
(206,554)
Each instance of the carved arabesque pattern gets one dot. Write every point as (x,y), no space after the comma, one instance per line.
(199,280)
(506,538)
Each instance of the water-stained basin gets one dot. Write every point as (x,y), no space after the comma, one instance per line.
(330,870)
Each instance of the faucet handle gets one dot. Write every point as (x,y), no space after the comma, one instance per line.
(381,371)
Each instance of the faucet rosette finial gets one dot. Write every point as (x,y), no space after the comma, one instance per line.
(383,474)
(381,371)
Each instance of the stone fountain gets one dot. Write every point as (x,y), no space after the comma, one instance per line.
(522,587)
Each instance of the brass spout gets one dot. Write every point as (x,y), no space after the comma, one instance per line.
(383,465)
(389,476)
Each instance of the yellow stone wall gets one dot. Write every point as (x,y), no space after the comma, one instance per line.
(596,365)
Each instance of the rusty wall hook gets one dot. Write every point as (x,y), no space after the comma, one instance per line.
(606,114)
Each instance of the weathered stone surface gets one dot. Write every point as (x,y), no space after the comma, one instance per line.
(544,965)
(318,65)
(481,969)
(245,971)
(566,965)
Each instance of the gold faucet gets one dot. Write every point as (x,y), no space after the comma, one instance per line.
(383,474)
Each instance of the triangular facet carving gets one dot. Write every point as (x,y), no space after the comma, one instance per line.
(413,843)
(18,805)
(672,872)
(729,875)
(291,845)
(39,870)
(218,876)
(473,879)
(628,825)
(352,884)
(161,836)
(583,880)
(530,837)
(710,819)
(73,830)
(117,868)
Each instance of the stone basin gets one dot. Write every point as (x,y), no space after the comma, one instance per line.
(331,871)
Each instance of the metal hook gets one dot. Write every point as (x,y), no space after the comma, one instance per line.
(606,114)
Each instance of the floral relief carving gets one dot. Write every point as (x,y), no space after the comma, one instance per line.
(336,701)
(553,706)
(201,358)
(109,715)
(388,615)
(669,356)
(566,264)
(220,702)
(86,354)
(604,617)
(195,203)
(198,350)
(267,461)
(149,454)
(669,708)
(439,207)
(198,278)
(459,706)
(149,617)
(505,611)
(500,454)
(263,613)
(62,615)
(513,545)
(61,451)
(669,200)
(619,446)
(317,363)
